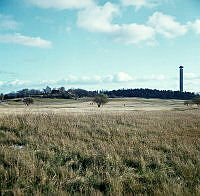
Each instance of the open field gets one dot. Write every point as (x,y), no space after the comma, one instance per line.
(84,106)
(147,147)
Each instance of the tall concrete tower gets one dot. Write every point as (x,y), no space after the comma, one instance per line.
(181,78)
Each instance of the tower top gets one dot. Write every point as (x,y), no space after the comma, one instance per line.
(181,67)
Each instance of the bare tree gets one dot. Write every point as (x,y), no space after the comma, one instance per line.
(100,99)
(27,101)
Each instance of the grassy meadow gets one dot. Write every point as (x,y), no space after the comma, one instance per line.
(84,106)
(147,147)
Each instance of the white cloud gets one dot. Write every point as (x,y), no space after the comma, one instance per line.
(62,4)
(195,26)
(100,19)
(7,23)
(17,83)
(141,3)
(122,77)
(166,25)
(191,76)
(17,38)
(134,33)
(2,83)
(14,84)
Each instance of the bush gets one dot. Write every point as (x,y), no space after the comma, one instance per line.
(27,101)
(188,102)
(196,101)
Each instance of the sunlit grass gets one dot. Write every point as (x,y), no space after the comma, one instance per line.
(144,153)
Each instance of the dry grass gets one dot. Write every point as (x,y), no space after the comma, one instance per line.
(137,153)
(84,106)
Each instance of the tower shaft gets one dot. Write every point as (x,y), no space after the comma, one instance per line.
(181,78)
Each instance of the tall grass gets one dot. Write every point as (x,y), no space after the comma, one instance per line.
(139,153)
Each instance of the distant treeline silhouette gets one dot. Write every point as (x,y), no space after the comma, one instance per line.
(150,93)
(79,93)
(51,93)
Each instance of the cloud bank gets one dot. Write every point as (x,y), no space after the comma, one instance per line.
(102,19)
(17,38)
(117,81)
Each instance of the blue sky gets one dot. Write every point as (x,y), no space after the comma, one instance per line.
(99,44)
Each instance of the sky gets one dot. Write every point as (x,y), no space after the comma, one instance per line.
(99,44)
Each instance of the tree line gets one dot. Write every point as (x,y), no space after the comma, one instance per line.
(150,93)
(79,93)
(51,93)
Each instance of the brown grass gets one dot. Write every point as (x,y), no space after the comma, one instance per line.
(83,105)
(137,153)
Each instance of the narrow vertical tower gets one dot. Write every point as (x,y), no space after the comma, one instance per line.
(181,78)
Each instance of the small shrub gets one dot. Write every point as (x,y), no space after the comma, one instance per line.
(27,101)
(196,101)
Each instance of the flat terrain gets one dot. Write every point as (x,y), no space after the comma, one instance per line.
(85,106)
(68,147)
